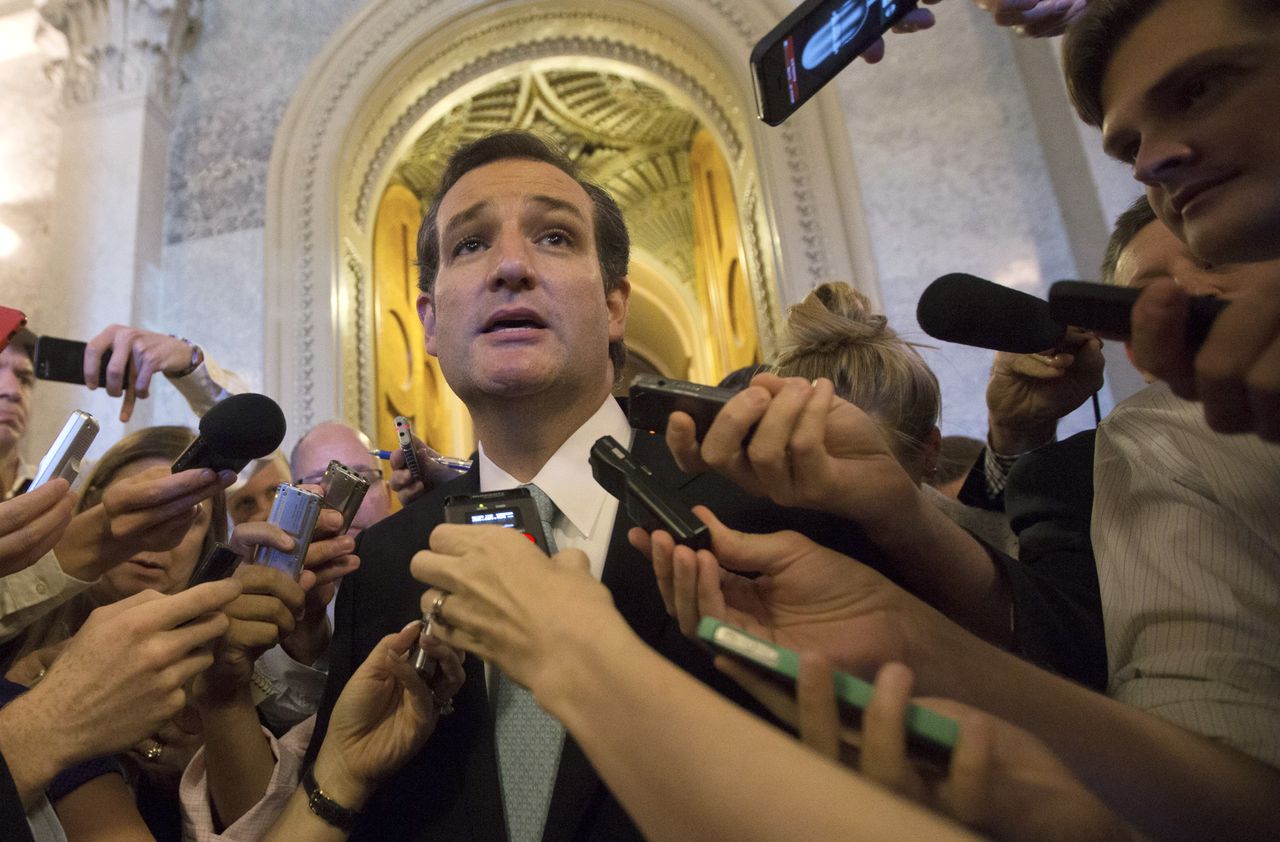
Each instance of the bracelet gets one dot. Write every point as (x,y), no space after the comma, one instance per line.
(197,357)
(325,808)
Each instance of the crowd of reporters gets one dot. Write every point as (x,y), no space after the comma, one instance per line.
(1100,616)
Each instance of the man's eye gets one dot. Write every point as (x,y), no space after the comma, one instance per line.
(467,245)
(556,238)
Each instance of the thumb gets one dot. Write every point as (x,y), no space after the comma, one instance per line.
(744,552)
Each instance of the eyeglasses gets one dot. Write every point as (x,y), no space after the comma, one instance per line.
(369,475)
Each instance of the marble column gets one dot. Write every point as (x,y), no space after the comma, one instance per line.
(117,64)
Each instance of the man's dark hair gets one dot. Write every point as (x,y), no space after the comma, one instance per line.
(1093,39)
(1134,218)
(613,244)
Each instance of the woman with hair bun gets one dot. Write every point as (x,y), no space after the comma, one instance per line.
(833,333)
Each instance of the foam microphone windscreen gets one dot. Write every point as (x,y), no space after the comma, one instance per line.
(235,430)
(972,311)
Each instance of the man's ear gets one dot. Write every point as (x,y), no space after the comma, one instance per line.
(617,300)
(1128,352)
(427,315)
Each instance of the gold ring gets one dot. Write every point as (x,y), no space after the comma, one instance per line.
(153,751)
(436,606)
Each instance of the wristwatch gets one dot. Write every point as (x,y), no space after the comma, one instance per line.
(330,811)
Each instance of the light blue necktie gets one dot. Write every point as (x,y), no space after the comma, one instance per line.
(528,739)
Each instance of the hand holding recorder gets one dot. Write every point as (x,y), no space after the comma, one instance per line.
(258,619)
(787,590)
(1235,373)
(31,524)
(151,510)
(1028,393)
(809,449)
(507,601)
(119,680)
(433,468)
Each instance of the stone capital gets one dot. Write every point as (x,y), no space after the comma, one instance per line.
(110,48)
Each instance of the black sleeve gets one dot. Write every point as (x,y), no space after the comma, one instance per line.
(975,493)
(1057,609)
(13,819)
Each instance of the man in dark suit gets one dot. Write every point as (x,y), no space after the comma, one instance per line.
(524,302)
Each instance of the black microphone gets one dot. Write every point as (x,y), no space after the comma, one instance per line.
(968,310)
(236,430)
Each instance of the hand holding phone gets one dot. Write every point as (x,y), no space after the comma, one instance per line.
(930,736)
(812,45)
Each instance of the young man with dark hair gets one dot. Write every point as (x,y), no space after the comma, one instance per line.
(1188,93)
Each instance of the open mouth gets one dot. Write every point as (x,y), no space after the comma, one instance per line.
(511,320)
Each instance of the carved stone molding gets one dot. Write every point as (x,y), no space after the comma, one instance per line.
(119,47)
(400,65)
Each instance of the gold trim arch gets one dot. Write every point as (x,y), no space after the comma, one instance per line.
(399,65)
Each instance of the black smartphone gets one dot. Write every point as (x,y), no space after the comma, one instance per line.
(1106,308)
(652,399)
(512,508)
(930,736)
(812,45)
(219,563)
(647,502)
(63,360)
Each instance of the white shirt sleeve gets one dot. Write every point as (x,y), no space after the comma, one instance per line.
(207,385)
(295,689)
(32,592)
(1187,536)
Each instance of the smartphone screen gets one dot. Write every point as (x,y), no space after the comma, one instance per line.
(812,45)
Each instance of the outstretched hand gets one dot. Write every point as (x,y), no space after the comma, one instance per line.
(385,714)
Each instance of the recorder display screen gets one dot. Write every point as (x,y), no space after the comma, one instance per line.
(509,518)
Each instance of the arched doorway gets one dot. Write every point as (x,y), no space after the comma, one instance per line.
(694,317)
(399,68)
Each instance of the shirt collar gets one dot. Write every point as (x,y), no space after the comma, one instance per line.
(562,477)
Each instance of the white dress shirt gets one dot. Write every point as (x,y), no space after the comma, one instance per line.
(1186,529)
(586,510)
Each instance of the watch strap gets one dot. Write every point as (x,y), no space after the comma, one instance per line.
(328,810)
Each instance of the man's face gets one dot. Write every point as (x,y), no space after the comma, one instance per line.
(519,306)
(1192,99)
(17,376)
(1155,253)
(337,441)
(252,502)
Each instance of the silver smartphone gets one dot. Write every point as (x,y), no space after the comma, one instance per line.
(295,511)
(64,457)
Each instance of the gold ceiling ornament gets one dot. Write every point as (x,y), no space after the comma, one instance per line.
(626,135)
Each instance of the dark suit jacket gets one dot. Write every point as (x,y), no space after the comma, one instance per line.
(1054,581)
(450,790)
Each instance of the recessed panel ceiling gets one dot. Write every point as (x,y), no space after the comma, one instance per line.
(627,136)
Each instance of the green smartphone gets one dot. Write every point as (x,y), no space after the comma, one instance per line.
(930,736)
